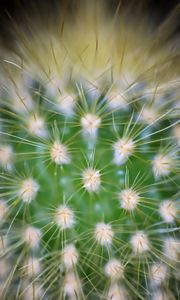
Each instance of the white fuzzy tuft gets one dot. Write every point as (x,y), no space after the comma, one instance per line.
(149,115)
(171,249)
(104,234)
(28,189)
(117,292)
(140,242)
(3,245)
(91,180)
(59,154)
(176,133)
(168,211)
(32,267)
(117,101)
(32,291)
(114,269)
(64,217)
(70,256)
(90,124)
(3,210)
(160,295)
(31,236)
(72,285)
(6,157)
(66,105)
(4,268)
(123,148)
(36,126)
(158,273)
(128,199)
(162,165)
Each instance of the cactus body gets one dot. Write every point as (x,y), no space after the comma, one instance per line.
(89,163)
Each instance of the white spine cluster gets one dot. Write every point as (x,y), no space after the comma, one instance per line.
(4,268)
(36,126)
(160,295)
(3,210)
(28,189)
(158,273)
(114,269)
(117,101)
(32,291)
(91,180)
(64,217)
(104,234)
(171,249)
(70,256)
(3,245)
(149,115)
(32,267)
(123,149)
(66,105)
(72,285)
(140,243)
(128,199)
(90,124)
(176,133)
(117,292)
(31,236)
(59,154)
(168,211)
(6,157)
(162,165)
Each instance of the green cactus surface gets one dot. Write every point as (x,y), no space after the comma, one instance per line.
(89,166)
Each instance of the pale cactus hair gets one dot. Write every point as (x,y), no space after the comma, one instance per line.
(89,166)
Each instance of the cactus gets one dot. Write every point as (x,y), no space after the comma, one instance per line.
(89,160)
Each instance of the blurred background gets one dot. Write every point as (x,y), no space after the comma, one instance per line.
(162,17)
(156,10)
